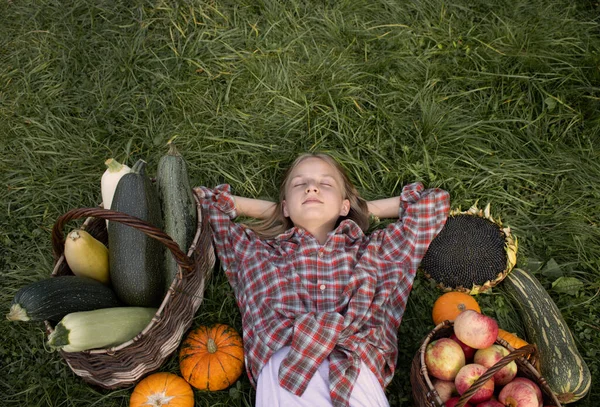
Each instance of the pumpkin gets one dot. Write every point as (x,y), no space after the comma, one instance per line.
(450,304)
(212,358)
(512,339)
(162,389)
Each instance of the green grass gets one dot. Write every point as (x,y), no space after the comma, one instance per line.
(495,102)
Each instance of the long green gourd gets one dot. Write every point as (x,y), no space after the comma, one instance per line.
(560,362)
(53,298)
(136,260)
(178,206)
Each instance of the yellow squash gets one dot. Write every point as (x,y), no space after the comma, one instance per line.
(87,256)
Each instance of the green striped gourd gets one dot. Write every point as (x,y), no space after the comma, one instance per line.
(560,362)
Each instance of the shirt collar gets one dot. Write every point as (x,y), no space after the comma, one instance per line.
(346,232)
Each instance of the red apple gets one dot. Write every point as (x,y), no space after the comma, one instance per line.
(469,351)
(445,389)
(518,395)
(444,358)
(475,330)
(533,385)
(490,356)
(465,378)
(490,403)
(454,401)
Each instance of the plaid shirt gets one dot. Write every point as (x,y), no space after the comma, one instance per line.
(343,300)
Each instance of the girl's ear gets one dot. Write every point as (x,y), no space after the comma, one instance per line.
(284,207)
(345,207)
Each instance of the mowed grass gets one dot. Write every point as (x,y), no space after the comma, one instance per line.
(495,101)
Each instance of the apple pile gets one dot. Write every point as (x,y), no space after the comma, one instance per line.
(456,362)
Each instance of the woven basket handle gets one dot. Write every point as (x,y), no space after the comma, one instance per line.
(522,352)
(114,216)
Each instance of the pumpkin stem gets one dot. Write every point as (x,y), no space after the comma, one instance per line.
(158,399)
(211,345)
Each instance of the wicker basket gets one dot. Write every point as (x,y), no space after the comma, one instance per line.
(425,395)
(126,364)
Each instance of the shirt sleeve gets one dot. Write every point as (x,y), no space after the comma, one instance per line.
(422,214)
(229,237)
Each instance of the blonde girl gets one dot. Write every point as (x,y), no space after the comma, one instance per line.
(321,301)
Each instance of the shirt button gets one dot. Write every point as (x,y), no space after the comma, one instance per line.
(321,253)
(322,287)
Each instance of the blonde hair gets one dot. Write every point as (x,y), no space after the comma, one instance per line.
(277,223)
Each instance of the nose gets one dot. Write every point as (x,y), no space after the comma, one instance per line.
(311,187)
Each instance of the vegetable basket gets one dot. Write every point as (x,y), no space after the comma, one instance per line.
(425,395)
(125,364)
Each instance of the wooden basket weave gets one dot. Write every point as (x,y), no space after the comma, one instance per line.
(425,395)
(126,364)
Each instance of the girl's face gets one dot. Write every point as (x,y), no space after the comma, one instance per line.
(314,195)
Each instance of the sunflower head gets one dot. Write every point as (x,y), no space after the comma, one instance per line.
(472,252)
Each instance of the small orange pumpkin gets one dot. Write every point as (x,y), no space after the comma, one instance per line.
(212,358)
(450,304)
(512,339)
(162,389)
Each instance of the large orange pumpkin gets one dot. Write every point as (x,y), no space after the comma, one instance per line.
(450,304)
(162,389)
(212,358)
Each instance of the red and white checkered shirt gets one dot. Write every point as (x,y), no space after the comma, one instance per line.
(343,300)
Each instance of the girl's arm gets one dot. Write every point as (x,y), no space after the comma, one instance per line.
(384,208)
(253,208)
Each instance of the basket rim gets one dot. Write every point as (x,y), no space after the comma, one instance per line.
(126,219)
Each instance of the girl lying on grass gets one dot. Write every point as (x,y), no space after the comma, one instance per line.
(321,301)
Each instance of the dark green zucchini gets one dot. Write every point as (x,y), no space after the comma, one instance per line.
(53,298)
(560,362)
(178,206)
(136,260)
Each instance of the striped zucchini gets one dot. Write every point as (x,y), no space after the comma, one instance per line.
(99,329)
(53,298)
(178,206)
(560,362)
(136,260)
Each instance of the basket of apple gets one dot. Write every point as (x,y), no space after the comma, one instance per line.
(464,363)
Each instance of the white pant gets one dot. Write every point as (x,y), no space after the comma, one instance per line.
(367,391)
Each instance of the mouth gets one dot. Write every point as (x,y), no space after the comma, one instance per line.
(311,200)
